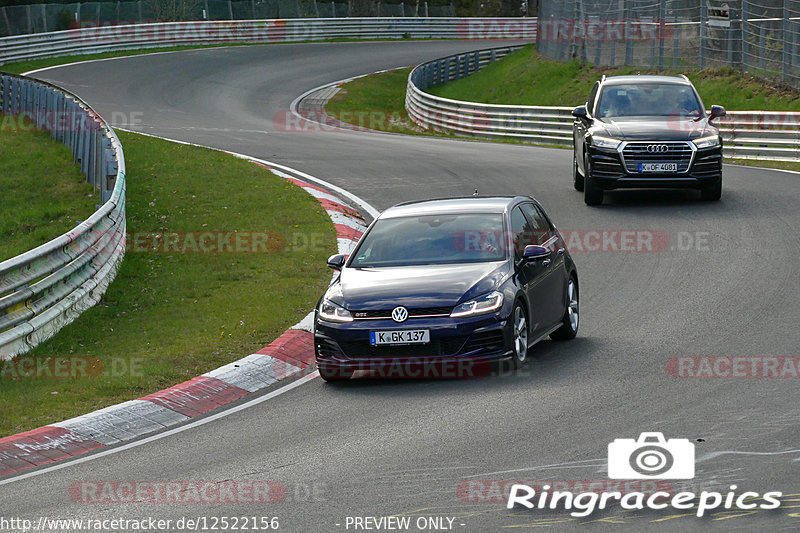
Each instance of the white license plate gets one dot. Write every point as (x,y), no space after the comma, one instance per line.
(658,167)
(400,336)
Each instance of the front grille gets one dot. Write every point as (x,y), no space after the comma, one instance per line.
(487,340)
(676,152)
(384,314)
(327,347)
(707,166)
(606,166)
(443,347)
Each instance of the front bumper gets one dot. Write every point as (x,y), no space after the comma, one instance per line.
(456,345)
(608,172)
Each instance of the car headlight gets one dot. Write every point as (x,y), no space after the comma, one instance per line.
(706,142)
(605,142)
(334,313)
(479,306)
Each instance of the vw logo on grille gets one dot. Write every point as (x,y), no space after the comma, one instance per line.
(657,148)
(399,314)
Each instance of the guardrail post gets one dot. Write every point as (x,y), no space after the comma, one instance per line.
(703,33)
(787,51)
(676,43)
(662,28)
(111,169)
(97,163)
(733,36)
(745,33)
(613,55)
(83,149)
(628,42)
(13,107)
(70,134)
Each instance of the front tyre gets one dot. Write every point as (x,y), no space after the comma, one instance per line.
(592,194)
(569,322)
(577,178)
(519,335)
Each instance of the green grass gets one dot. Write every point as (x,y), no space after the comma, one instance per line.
(530,79)
(783,165)
(173,316)
(42,191)
(376,101)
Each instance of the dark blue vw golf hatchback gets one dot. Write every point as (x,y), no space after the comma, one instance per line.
(433,287)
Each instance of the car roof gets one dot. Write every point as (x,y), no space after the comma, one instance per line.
(466,204)
(649,78)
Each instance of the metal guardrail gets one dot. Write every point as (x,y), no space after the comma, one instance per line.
(747,134)
(110,38)
(44,289)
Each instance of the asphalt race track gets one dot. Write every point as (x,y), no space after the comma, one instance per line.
(721,281)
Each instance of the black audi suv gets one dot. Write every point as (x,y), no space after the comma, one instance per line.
(646,131)
(447,284)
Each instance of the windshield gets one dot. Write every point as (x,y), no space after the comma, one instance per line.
(432,239)
(647,99)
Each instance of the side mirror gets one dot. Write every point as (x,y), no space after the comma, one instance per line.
(534,252)
(580,112)
(717,111)
(336,262)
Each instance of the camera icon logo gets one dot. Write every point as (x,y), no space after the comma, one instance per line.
(651,457)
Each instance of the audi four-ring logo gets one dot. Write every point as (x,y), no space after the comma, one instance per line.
(657,148)
(399,314)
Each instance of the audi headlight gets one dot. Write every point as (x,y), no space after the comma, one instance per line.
(334,313)
(706,142)
(605,142)
(487,303)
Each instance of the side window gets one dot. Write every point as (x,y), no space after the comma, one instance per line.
(540,227)
(590,101)
(522,232)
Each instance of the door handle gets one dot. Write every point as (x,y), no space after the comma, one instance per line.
(546,262)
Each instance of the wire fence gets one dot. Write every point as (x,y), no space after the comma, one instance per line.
(760,37)
(39,18)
